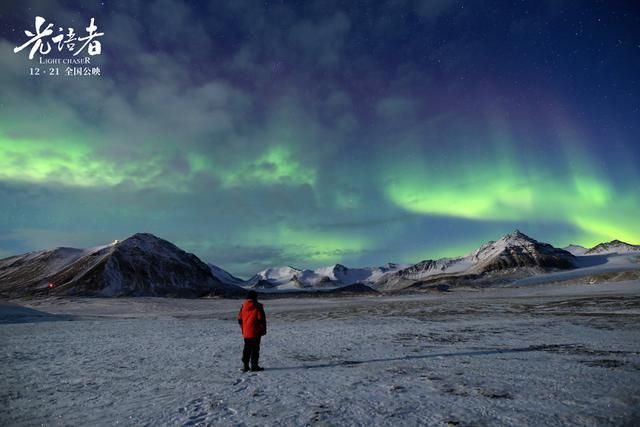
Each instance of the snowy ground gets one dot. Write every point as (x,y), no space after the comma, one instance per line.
(554,355)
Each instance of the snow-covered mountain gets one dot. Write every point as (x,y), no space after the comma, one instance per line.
(141,265)
(366,275)
(35,267)
(331,277)
(519,250)
(145,265)
(576,249)
(614,246)
(514,255)
(274,276)
(513,252)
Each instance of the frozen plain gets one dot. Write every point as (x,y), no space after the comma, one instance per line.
(539,355)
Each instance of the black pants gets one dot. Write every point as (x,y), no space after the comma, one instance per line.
(251,351)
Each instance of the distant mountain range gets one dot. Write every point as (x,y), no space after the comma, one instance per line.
(612,247)
(337,275)
(511,257)
(145,265)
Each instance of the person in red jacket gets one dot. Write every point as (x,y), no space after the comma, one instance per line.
(253,323)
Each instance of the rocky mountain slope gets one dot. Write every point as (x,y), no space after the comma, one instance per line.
(513,253)
(224,276)
(142,265)
(519,250)
(614,246)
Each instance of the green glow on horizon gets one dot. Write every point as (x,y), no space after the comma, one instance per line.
(315,246)
(503,187)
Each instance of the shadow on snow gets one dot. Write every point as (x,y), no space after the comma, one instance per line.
(423,356)
(11,313)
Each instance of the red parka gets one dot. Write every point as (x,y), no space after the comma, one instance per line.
(252,319)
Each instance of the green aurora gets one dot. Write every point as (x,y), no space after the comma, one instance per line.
(321,139)
(488,186)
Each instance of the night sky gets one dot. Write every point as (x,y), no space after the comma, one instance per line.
(257,134)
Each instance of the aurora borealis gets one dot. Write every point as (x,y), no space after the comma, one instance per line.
(256,134)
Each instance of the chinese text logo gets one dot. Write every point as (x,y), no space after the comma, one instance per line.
(41,41)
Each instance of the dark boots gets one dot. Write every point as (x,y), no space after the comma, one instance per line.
(246,368)
(251,352)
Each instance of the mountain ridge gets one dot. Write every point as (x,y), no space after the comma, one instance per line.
(512,253)
(613,246)
(146,265)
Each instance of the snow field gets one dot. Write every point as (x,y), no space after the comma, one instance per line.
(398,361)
